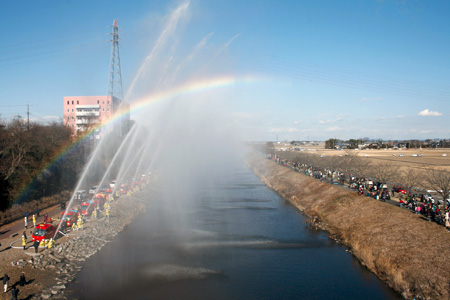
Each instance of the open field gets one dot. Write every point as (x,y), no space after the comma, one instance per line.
(431,158)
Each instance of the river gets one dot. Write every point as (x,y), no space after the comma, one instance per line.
(243,242)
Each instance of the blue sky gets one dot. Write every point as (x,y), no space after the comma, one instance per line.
(322,69)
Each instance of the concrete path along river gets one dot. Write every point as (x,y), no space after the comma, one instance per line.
(235,240)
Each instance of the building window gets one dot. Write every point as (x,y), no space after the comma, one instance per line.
(68,102)
(72,108)
(107,109)
(107,102)
(72,126)
(103,109)
(72,118)
(78,102)
(68,118)
(68,110)
(72,101)
(98,101)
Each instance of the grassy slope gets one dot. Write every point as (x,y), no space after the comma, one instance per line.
(407,252)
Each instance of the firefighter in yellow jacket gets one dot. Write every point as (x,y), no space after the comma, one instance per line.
(80,224)
(24,240)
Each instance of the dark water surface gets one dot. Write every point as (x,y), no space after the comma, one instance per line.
(242,242)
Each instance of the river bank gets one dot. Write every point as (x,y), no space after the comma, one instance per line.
(408,253)
(48,271)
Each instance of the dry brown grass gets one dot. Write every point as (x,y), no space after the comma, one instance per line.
(407,252)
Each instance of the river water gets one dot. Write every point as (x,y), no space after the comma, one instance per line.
(245,242)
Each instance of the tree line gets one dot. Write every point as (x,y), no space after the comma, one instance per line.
(29,164)
(379,143)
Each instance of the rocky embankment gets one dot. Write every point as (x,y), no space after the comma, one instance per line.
(50,270)
(404,250)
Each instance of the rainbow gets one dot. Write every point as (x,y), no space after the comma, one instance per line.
(185,89)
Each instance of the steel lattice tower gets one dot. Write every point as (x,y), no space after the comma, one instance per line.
(115,75)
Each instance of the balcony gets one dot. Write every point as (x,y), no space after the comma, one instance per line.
(87,113)
(88,122)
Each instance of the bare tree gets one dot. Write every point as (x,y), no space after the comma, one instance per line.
(361,167)
(439,180)
(15,144)
(383,172)
(410,178)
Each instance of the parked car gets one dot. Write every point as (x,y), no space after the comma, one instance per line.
(399,189)
(429,198)
(112,184)
(44,231)
(93,190)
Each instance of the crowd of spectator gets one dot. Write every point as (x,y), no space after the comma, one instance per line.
(421,204)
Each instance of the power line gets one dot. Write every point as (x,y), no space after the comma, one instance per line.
(345,78)
(24,58)
(68,37)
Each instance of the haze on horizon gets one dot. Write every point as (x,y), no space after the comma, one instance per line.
(300,69)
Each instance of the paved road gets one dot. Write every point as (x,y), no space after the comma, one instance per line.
(19,226)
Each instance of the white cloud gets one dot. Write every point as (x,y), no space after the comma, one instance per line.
(279,130)
(425,131)
(45,119)
(334,128)
(400,117)
(429,113)
(331,121)
(51,117)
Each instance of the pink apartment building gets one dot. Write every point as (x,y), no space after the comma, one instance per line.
(83,112)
